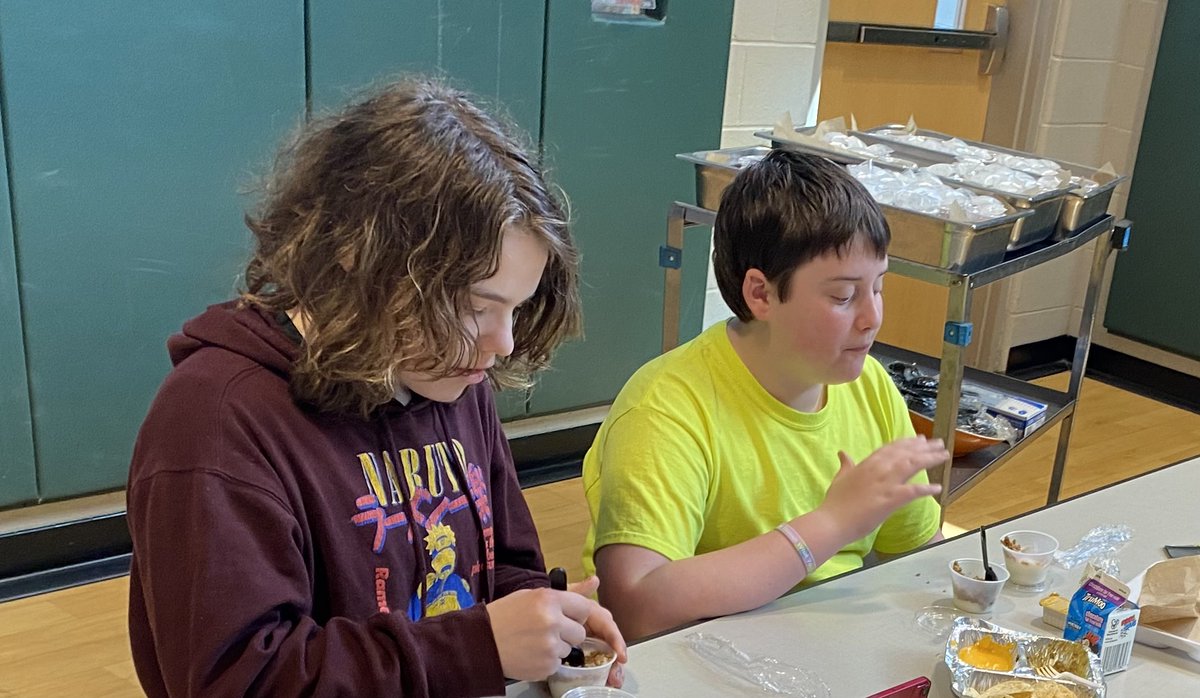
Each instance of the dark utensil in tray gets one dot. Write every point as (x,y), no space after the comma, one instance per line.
(558,580)
(989,574)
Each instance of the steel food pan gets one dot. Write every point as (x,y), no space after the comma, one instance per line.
(931,240)
(959,247)
(1044,208)
(715,169)
(838,155)
(1079,208)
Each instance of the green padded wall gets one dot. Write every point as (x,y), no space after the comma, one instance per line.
(1155,294)
(492,48)
(132,126)
(621,99)
(18,476)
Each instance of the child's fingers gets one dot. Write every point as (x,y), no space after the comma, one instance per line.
(586,588)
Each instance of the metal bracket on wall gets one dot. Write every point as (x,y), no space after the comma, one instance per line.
(992,41)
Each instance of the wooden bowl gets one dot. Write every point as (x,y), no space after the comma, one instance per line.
(964,441)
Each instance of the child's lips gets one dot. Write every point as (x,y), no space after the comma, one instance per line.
(477,375)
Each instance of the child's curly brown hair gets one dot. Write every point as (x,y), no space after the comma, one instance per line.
(375,223)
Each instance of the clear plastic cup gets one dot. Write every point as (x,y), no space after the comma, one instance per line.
(568,677)
(1027,567)
(973,593)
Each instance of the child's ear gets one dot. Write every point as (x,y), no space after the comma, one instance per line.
(758,293)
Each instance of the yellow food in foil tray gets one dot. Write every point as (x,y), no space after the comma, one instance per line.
(989,661)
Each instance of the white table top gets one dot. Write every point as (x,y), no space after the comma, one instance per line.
(857,632)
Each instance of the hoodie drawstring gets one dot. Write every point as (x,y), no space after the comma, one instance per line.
(409,512)
(485,573)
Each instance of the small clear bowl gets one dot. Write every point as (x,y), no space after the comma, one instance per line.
(1027,568)
(937,620)
(972,593)
(569,677)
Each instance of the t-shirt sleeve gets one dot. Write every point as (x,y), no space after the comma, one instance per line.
(914,524)
(653,484)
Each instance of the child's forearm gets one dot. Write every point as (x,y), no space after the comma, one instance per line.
(738,578)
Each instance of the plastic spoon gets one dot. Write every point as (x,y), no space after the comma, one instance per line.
(989,574)
(558,580)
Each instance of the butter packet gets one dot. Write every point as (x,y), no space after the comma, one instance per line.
(1101,615)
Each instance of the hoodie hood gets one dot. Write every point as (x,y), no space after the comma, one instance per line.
(248,332)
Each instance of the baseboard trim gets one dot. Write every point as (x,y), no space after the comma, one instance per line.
(1115,368)
(56,578)
(1136,375)
(1040,359)
(52,557)
(551,455)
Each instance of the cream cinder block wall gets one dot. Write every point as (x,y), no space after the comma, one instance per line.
(775,56)
(1091,108)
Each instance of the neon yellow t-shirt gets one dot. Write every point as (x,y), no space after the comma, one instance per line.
(696,456)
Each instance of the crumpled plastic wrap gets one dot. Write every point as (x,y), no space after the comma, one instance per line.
(767,673)
(1098,546)
(919,390)
(831,134)
(1000,178)
(923,192)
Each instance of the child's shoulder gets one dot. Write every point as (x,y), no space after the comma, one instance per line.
(685,370)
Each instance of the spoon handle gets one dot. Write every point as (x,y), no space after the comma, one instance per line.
(558,581)
(988,573)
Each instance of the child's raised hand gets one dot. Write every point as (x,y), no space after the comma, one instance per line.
(862,496)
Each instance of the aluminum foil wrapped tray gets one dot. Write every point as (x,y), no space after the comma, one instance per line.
(1028,651)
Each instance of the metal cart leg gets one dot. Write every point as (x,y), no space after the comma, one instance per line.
(950,376)
(1083,344)
(672,277)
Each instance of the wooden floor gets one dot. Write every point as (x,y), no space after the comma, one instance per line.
(75,642)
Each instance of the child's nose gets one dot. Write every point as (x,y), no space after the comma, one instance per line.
(871,315)
(498,339)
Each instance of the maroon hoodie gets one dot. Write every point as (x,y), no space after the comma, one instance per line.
(280,551)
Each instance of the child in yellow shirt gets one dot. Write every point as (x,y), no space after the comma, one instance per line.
(773,444)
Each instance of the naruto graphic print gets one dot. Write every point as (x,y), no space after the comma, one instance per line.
(426,484)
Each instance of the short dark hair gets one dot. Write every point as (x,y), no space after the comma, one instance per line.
(375,223)
(783,211)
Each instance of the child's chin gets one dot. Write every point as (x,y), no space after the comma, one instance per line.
(442,393)
(848,373)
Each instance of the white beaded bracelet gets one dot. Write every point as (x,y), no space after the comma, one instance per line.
(806,556)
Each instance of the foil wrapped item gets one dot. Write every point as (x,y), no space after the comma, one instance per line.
(1052,655)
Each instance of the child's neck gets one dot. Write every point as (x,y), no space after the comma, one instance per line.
(752,343)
